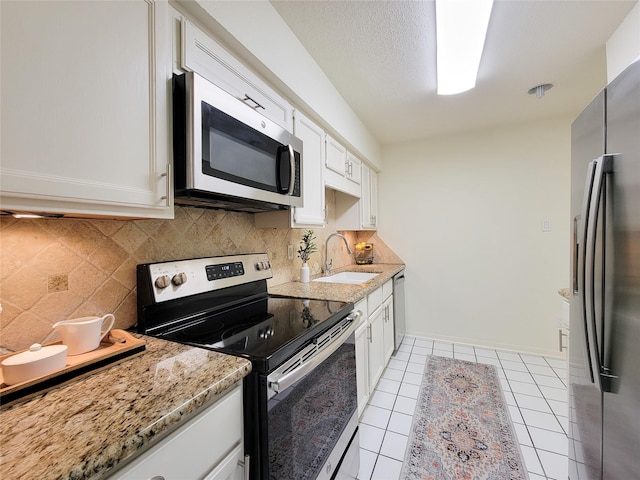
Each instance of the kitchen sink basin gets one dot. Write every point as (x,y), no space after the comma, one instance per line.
(347,277)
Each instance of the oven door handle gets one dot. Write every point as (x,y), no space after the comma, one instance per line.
(283,382)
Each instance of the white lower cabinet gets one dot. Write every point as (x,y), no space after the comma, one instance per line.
(376,347)
(209,446)
(362,356)
(374,340)
(85,118)
(388,334)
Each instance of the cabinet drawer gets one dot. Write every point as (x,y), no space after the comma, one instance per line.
(362,307)
(197,448)
(374,300)
(387,289)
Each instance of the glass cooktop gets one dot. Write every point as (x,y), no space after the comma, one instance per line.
(266,330)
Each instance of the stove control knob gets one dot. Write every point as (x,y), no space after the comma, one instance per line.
(179,279)
(162,282)
(260,266)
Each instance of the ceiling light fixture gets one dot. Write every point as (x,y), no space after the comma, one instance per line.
(461,28)
(539,90)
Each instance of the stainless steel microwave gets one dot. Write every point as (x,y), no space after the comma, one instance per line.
(229,156)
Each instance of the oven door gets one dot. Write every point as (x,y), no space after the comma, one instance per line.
(235,151)
(312,410)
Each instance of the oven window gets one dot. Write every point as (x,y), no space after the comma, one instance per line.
(306,420)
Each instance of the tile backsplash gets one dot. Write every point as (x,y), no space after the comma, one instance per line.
(55,269)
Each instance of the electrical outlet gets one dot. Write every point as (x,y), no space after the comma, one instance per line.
(290,252)
(546,225)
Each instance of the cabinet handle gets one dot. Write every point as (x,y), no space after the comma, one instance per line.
(369,336)
(256,106)
(167,176)
(245,466)
(560,343)
(157,477)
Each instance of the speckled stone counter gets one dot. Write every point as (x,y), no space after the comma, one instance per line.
(84,429)
(343,292)
(564,293)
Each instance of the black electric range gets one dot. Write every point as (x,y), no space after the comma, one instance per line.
(222,304)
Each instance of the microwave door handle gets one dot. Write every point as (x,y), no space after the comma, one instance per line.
(292,170)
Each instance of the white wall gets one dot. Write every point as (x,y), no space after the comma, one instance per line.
(465,212)
(624,45)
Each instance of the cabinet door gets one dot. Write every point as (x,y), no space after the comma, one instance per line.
(313,154)
(388,334)
(231,468)
(336,156)
(366,217)
(85,126)
(376,347)
(353,168)
(373,198)
(208,446)
(362,366)
(205,56)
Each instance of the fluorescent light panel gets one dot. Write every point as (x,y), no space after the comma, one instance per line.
(461,28)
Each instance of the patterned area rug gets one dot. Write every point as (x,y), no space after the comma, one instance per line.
(462,428)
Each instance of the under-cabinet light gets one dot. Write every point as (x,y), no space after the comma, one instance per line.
(26,215)
(461,28)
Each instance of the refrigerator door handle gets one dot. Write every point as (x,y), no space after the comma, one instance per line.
(585,258)
(575,256)
(595,179)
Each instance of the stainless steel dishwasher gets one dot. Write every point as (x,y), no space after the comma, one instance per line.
(398,308)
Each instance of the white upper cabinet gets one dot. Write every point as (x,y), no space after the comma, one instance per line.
(313,154)
(85,118)
(342,169)
(359,213)
(312,214)
(369,199)
(353,168)
(205,56)
(336,160)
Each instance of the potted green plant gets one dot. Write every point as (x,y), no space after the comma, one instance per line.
(306,248)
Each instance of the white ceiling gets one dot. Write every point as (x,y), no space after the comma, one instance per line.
(380,55)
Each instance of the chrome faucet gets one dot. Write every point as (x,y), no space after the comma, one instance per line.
(327,262)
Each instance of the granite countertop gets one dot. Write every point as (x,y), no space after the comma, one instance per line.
(342,292)
(85,429)
(564,293)
(82,430)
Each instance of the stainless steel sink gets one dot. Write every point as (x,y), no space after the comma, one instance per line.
(347,277)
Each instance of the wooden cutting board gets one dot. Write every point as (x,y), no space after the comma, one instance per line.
(120,346)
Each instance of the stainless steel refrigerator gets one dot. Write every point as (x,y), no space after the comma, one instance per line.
(604,336)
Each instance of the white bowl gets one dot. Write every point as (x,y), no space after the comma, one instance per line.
(35,362)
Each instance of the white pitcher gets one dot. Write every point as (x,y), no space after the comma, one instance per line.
(84,334)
